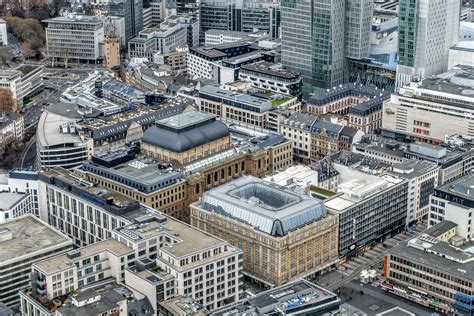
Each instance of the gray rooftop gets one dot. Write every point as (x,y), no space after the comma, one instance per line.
(10,199)
(440,228)
(268,207)
(462,265)
(462,187)
(257,104)
(185,131)
(412,168)
(283,300)
(30,235)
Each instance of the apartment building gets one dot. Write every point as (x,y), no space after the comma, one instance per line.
(422,177)
(431,109)
(454,201)
(432,273)
(190,261)
(283,235)
(12,126)
(24,241)
(75,39)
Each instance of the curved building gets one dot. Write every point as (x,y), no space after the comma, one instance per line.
(186,137)
(58,143)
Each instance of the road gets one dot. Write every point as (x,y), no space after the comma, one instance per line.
(28,156)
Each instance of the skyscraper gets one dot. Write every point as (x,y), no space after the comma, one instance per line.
(132,11)
(240,15)
(318,36)
(427,29)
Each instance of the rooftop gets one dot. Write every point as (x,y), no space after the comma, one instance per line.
(436,254)
(266,206)
(286,300)
(10,199)
(412,168)
(185,238)
(63,261)
(459,191)
(29,235)
(440,228)
(183,306)
(76,19)
(277,70)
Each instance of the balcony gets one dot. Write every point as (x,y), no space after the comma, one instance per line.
(40,292)
(41,283)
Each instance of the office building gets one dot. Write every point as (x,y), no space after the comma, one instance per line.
(422,177)
(24,241)
(273,77)
(62,45)
(299,297)
(361,104)
(318,36)
(181,306)
(427,29)
(431,272)
(13,205)
(252,109)
(132,12)
(431,109)
(63,147)
(454,202)
(241,16)
(19,194)
(269,223)
(383,196)
(22,81)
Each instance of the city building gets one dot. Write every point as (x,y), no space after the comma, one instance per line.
(431,109)
(454,202)
(283,234)
(273,77)
(62,46)
(112,52)
(299,297)
(24,241)
(3,32)
(461,54)
(307,178)
(176,60)
(431,272)
(314,137)
(190,261)
(216,37)
(427,29)
(21,194)
(12,126)
(22,81)
(360,104)
(57,142)
(181,306)
(317,37)
(165,38)
(132,13)
(370,207)
(241,16)
(201,59)
(265,111)
(422,177)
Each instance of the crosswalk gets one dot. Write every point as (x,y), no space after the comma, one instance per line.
(375,255)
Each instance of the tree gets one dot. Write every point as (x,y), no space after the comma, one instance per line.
(26,49)
(10,150)
(7,102)
(28,30)
(5,55)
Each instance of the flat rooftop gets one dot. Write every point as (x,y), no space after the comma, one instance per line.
(185,119)
(54,264)
(10,199)
(440,228)
(356,186)
(438,255)
(291,297)
(189,239)
(30,235)
(413,168)
(183,306)
(462,187)
(266,206)
(277,70)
